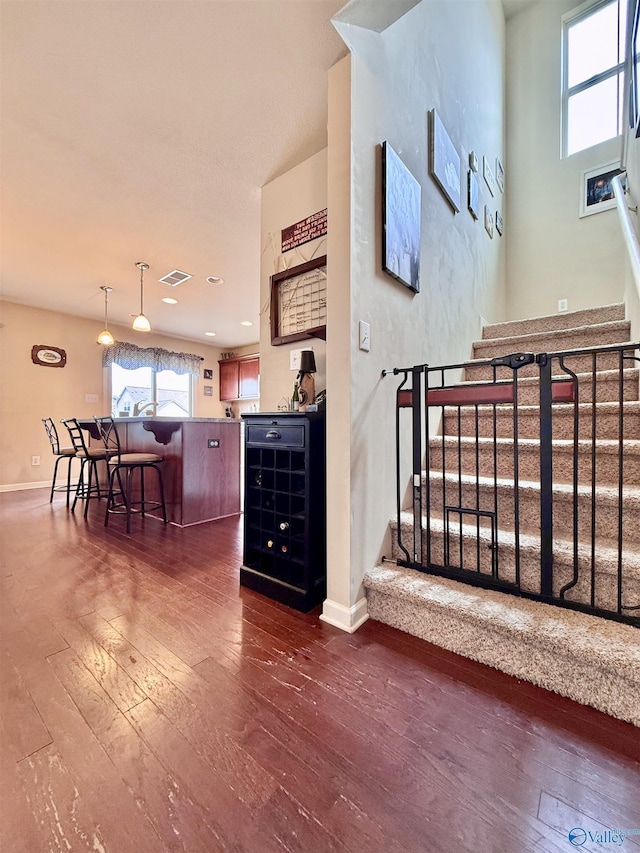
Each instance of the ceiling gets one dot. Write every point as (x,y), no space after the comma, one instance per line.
(143,131)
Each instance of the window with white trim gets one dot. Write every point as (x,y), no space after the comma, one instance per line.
(593,74)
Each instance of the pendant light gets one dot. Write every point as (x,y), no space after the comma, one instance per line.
(105,337)
(141,324)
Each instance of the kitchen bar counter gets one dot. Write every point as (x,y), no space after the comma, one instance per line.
(201,470)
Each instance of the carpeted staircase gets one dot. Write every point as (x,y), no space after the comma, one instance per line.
(589,659)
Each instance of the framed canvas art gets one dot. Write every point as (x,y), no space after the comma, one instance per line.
(401,220)
(444,161)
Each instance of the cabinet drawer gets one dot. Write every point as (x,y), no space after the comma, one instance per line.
(276,435)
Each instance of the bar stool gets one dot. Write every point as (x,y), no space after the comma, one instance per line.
(119,462)
(89,482)
(60,453)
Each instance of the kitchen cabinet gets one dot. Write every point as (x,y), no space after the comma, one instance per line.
(284,506)
(240,378)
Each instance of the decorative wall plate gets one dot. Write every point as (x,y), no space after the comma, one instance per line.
(48,356)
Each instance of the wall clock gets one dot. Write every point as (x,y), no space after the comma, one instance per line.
(299,302)
(48,356)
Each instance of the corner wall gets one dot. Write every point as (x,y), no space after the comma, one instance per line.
(30,392)
(552,253)
(444,55)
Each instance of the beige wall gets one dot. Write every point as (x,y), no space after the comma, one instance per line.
(30,392)
(444,55)
(286,200)
(552,253)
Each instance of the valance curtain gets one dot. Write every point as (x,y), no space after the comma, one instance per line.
(131,357)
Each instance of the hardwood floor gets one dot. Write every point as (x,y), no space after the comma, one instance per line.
(150,704)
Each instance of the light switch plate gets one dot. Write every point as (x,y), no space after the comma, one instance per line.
(91,398)
(365,336)
(294,359)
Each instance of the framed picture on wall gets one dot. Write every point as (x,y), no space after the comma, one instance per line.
(444,161)
(596,191)
(401,220)
(473,195)
(488,221)
(299,302)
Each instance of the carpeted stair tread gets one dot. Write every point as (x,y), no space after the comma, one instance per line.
(555,341)
(606,556)
(555,322)
(591,660)
(560,490)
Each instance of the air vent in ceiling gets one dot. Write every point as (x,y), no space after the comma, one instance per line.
(175,277)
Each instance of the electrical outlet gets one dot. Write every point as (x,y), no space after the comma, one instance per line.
(563,304)
(91,398)
(35,460)
(213,442)
(365,336)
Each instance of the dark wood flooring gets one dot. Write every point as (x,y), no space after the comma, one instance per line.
(150,704)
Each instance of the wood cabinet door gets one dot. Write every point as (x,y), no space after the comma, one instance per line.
(229,374)
(249,378)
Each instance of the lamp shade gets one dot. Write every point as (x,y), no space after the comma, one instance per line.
(307,361)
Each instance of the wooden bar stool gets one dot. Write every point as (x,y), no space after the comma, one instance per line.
(88,486)
(127,463)
(60,453)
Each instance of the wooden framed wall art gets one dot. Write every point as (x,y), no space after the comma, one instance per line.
(401,220)
(299,302)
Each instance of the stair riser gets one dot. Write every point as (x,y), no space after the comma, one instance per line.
(605,583)
(607,465)
(607,423)
(576,363)
(592,336)
(607,389)
(606,514)
(555,322)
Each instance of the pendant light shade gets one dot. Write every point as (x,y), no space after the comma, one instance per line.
(141,324)
(105,337)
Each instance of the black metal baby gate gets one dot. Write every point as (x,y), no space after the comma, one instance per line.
(525,474)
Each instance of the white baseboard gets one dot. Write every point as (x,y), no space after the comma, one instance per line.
(19,487)
(346,618)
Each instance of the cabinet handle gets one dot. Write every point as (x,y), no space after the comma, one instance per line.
(273,433)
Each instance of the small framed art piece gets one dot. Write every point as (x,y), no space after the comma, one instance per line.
(499,223)
(48,356)
(473,161)
(596,192)
(208,373)
(489,177)
(444,161)
(401,220)
(473,194)
(488,221)
(499,174)
(208,390)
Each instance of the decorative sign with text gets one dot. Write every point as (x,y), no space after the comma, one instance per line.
(307,229)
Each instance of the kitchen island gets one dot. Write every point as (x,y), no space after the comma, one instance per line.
(201,468)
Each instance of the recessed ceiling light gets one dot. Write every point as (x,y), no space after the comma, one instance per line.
(170,300)
(215,279)
(211,334)
(246,323)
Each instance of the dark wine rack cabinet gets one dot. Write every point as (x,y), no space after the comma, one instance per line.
(284,507)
